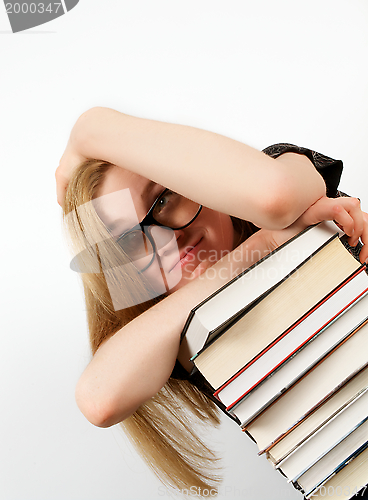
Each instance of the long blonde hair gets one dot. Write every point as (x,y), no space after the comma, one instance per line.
(161,429)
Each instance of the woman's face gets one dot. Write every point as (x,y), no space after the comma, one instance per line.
(185,253)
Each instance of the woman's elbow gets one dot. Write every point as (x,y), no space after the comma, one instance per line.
(287,204)
(293,190)
(278,211)
(104,408)
(98,413)
(95,413)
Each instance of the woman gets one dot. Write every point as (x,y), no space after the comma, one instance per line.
(217,184)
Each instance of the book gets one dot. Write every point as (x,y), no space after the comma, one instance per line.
(315,474)
(286,346)
(311,389)
(315,418)
(350,480)
(289,358)
(357,442)
(348,359)
(330,343)
(213,315)
(326,437)
(270,316)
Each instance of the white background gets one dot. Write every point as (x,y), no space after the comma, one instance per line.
(260,72)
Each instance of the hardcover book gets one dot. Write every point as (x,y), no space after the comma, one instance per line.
(284,346)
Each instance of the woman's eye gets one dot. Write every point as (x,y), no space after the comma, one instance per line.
(163,202)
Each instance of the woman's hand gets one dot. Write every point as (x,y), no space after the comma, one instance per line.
(69,161)
(347,214)
(344,211)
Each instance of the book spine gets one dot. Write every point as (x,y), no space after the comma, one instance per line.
(343,464)
(331,417)
(296,478)
(294,382)
(312,410)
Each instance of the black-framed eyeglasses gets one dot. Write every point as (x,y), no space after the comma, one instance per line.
(170,210)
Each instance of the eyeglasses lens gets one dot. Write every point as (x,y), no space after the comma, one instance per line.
(138,248)
(171,211)
(174,211)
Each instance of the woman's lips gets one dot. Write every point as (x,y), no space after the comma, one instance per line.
(187,256)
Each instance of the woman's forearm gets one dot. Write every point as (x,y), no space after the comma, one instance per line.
(132,365)
(216,171)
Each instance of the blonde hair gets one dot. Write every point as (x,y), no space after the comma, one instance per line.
(162,429)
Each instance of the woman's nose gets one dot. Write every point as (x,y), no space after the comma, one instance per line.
(166,239)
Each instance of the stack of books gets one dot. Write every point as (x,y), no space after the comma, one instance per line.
(284,347)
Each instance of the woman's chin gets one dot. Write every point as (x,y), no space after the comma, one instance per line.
(189,273)
(170,281)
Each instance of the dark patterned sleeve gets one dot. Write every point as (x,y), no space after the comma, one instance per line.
(329,168)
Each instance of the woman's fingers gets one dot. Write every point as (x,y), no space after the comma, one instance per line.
(336,209)
(61,185)
(364,238)
(68,162)
(356,214)
(345,212)
(348,215)
(359,218)
(343,219)
(354,222)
